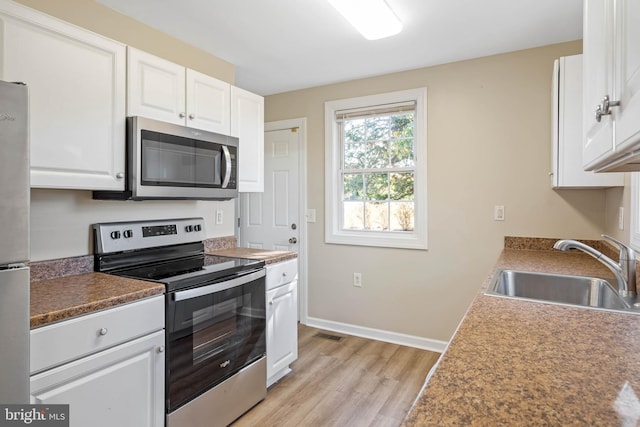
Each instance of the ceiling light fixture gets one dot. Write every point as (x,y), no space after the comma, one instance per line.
(373,18)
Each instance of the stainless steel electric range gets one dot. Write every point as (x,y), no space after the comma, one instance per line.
(215,366)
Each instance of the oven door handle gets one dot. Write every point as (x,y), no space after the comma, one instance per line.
(220,286)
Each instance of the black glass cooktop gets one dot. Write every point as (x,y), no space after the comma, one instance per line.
(191,271)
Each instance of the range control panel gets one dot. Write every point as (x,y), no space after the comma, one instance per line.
(126,236)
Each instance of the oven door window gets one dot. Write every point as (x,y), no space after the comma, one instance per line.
(168,160)
(213,336)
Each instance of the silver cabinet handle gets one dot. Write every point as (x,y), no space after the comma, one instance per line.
(598,113)
(271,302)
(120,175)
(161,349)
(181,115)
(192,116)
(293,240)
(103,331)
(603,109)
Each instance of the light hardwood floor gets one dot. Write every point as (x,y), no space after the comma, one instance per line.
(351,382)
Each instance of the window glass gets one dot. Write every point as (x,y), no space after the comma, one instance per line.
(376,170)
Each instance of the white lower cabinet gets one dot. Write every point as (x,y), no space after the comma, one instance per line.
(114,385)
(282,319)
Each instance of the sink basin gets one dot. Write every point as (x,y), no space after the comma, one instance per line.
(557,288)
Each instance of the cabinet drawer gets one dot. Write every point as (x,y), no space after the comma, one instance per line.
(281,273)
(74,338)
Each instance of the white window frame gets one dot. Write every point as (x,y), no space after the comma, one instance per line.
(634,232)
(416,239)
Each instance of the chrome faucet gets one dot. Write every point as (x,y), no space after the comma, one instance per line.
(624,270)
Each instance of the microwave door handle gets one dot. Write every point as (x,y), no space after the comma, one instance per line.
(227,169)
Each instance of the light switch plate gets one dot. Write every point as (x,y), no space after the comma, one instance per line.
(311,215)
(621,218)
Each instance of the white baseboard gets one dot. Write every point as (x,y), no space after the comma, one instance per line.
(378,334)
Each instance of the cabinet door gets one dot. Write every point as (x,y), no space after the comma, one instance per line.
(567,131)
(122,386)
(208,103)
(282,329)
(247,123)
(76,83)
(155,87)
(598,82)
(627,115)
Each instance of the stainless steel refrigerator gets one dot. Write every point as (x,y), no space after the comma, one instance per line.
(14,243)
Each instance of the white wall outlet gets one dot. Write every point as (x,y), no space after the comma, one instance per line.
(498,213)
(621,218)
(219,217)
(357,280)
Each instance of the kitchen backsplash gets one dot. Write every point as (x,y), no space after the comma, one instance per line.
(50,269)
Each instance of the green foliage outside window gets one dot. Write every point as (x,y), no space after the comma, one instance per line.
(378,176)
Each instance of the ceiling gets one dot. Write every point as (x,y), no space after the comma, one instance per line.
(283,45)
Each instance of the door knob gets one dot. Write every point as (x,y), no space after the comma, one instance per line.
(293,240)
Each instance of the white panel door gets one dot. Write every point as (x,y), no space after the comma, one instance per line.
(627,116)
(270,220)
(208,105)
(156,87)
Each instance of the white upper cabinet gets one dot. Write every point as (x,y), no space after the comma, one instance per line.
(162,90)
(156,87)
(208,103)
(598,48)
(611,106)
(566,138)
(247,123)
(628,74)
(76,82)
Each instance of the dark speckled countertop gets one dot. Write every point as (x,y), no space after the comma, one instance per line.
(64,297)
(68,287)
(517,363)
(268,256)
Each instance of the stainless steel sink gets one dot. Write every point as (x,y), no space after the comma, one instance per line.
(559,289)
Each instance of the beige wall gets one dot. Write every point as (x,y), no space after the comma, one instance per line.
(103,20)
(61,219)
(488,144)
(616,198)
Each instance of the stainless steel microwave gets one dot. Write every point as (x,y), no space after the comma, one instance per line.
(168,161)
